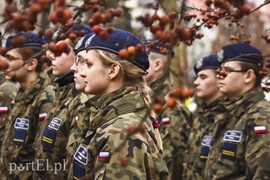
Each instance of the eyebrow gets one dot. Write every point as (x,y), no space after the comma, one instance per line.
(9,56)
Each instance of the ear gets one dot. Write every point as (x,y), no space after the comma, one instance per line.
(114,71)
(32,64)
(158,64)
(250,76)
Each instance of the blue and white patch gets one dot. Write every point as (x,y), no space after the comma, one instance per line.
(199,64)
(232,135)
(220,55)
(81,155)
(55,124)
(207,140)
(79,43)
(21,123)
(88,41)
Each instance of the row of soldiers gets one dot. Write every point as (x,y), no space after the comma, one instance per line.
(96,121)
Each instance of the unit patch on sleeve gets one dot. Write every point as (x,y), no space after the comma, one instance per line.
(55,124)
(81,155)
(232,135)
(21,123)
(207,141)
(21,126)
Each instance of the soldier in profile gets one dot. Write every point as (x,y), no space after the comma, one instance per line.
(31,104)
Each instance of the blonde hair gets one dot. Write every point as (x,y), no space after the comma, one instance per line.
(133,75)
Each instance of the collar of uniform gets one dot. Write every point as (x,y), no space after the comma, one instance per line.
(239,105)
(163,85)
(216,105)
(65,79)
(2,77)
(28,94)
(122,101)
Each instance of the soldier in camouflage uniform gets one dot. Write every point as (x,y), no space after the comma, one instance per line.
(83,116)
(211,111)
(8,91)
(240,147)
(53,139)
(31,104)
(174,121)
(121,142)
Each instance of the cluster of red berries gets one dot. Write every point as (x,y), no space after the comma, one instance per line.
(24,20)
(102,32)
(131,51)
(177,93)
(162,49)
(59,48)
(103,18)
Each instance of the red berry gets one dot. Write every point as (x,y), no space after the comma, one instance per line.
(123,54)
(97,29)
(3,65)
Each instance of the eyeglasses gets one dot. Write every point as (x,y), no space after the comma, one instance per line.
(81,60)
(224,72)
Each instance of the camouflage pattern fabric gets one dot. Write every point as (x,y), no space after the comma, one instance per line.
(241,146)
(8,91)
(109,152)
(53,140)
(174,128)
(82,128)
(200,138)
(30,108)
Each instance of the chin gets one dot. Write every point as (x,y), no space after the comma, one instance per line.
(200,94)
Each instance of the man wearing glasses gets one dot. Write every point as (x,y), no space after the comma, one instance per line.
(241,146)
(31,104)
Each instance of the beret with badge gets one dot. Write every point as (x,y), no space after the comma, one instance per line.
(207,62)
(23,39)
(240,52)
(118,40)
(158,47)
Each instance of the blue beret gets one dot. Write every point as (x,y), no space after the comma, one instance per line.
(118,39)
(240,52)
(156,46)
(207,62)
(23,39)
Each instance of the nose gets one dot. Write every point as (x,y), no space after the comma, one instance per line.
(196,82)
(83,74)
(74,68)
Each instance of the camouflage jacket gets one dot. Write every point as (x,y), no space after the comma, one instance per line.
(83,125)
(61,122)
(200,138)
(174,128)
(8,91)
(30,108)
(111,149)
(241,145)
